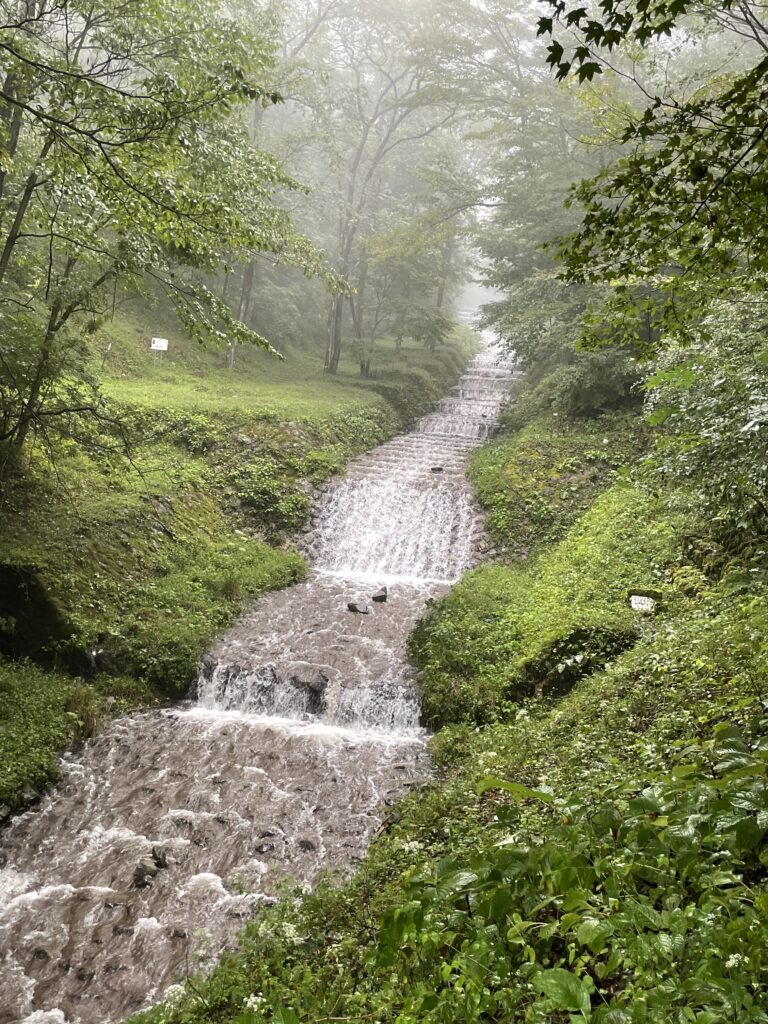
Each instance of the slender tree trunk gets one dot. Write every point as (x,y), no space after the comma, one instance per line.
(21,212)
(335,321)
(445,272)
(31,404)
(357,304)
(11,118)
(246,291)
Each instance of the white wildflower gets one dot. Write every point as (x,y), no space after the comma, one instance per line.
(291,934)
(254,1002)
(735,960)
(173,995)
(412,846)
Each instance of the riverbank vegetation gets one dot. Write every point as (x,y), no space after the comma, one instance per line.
(592,847)
(120,566)
(311,180)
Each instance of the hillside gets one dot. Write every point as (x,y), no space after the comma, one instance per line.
(129,546)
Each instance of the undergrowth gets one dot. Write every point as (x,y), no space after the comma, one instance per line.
(598,858)
(509,632)
(535,482)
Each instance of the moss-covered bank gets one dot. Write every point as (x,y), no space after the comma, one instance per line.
(124,563)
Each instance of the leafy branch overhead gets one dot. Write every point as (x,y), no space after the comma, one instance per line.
(618,22)
(677,219)
(126,163)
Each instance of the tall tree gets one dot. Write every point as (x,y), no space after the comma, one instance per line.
(122,162)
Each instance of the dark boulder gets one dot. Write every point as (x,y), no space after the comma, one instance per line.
(143,873)
(380,596)
(357,608)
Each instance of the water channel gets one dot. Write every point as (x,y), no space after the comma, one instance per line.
(168,829)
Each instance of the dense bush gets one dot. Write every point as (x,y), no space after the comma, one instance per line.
(273,500)
(711,401)
(178,611)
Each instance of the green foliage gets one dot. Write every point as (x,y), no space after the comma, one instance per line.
(643,903)
(505,633)
(115,174)
(619,21)
(34,727)
(593,383)
(709,399)
(535,482)
(41,713)
(195,592)
(276,505)
(670,224)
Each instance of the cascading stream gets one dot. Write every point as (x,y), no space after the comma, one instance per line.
(167,830)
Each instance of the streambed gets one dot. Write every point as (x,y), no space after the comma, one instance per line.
(167,831)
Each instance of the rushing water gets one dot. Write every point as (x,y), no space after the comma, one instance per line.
(167,830)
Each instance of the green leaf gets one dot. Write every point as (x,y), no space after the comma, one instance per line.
(515,789)
(565,990)
(286,1016)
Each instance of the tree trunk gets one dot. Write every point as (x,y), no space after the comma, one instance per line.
(357,304)
(245,292)
(335,320)
(445,271)
(21,212)
(31,404)
(11,118)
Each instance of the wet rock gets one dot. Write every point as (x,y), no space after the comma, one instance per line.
(436,469)
(265,848)
(159,857)
(3,859)
(380,596)
(357,608)
(101,660)
(5,812)
(29,796)
(306,845)
(267,834)
(143,873)
(313,685)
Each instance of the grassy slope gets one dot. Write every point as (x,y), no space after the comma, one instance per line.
(149,559)
(632,889)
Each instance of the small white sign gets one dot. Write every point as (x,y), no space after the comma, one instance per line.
(641,603)
(159,344)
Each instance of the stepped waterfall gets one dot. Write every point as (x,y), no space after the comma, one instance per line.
(167,830)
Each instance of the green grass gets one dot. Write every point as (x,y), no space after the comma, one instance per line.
(43,712)
(259,385)
(535,482)
(507,632)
